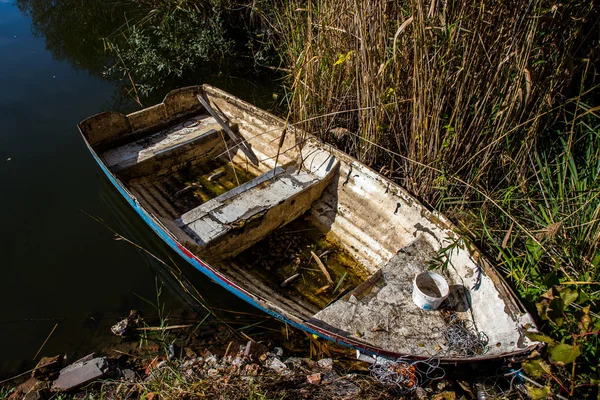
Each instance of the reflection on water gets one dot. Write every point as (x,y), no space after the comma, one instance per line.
(83,32)
(59,265)
(73,30)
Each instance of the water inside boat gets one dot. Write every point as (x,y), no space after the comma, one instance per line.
(284,265)
(185,189)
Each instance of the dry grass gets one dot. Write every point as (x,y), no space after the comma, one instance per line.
(481,110)
(449,89)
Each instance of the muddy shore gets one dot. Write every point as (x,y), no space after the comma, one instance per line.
(256,359)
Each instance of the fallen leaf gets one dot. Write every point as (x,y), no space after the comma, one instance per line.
(563,354)
(536,367)
(538,393)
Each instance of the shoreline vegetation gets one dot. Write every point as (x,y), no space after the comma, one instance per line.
(226,354)
(488,112)
(172,361)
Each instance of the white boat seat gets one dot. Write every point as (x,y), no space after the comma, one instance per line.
(204,209)
(216,218)
(200,135)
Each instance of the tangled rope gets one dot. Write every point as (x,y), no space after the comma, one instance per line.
(464,339)
(405,375)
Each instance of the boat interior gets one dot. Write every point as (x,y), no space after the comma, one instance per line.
(300,225)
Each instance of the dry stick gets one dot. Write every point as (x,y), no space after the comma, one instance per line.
(290,279)
(505,134)
(244,141)
(323,254)
(573,379)
(433,168)
(216,116)
(281,140)
(322,267)
(287,119)
(225,127)
(127,354)
(408,100)
(572,131)
(228,347)
(45,341)
(247,337)
(166,328)
(26,372)
(137,96)
(241,312)
(505,241)
(230,159)
(587,334)
(322,289)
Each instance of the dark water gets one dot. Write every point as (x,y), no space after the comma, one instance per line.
(58,265)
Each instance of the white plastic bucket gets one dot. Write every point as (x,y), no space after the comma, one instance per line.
(429,290)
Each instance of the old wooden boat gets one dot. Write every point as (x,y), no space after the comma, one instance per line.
(301,230)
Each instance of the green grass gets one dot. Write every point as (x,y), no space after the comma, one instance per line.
(5,392)
(553,258)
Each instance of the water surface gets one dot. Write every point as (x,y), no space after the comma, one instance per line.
(59,265)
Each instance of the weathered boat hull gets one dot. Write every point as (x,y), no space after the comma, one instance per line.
(391,196)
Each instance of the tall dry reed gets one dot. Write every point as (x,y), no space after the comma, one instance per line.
(457,89)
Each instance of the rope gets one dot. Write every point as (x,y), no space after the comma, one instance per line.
(464,339)
(405,375)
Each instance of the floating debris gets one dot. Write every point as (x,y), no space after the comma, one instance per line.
(81,373)
(314,379)
(290,280)
(219,173)
(288,252)
(322,267)
(128,325)
(323,289)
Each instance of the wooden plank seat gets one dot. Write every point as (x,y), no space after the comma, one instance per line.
(230,223)
(196,138)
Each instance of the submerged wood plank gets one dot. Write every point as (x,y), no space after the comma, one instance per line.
(321,266)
